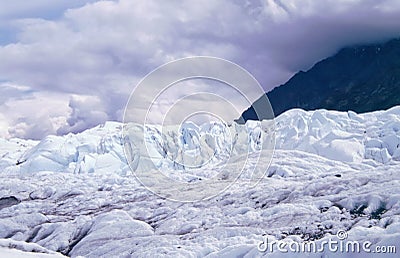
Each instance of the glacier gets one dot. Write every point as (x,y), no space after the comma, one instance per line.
(76,194)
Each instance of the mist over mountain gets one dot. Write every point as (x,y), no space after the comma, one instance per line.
(360,78)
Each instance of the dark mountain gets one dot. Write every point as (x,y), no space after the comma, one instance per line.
(360,78)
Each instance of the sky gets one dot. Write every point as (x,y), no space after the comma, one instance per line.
(69,65)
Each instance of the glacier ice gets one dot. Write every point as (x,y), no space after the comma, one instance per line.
(75,194)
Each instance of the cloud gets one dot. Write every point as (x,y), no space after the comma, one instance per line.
(100,50)
(36,8)
(316,29)
(86,112)
(10,91)
(26,113)
(20,9)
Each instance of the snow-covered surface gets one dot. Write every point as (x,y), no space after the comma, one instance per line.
(331,171)
(10,248)
(15,253)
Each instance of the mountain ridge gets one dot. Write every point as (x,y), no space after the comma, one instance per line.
(361,78)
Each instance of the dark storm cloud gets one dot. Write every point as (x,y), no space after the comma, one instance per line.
(102,49)
(295,39)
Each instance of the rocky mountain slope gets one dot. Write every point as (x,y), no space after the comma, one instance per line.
(360,78)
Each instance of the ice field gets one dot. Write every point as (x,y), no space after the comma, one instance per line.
(75,195)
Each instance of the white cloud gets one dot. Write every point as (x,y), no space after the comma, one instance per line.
(36,8)
(102,49)
(87,111)
(26,113)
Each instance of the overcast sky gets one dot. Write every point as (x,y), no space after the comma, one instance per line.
(68,65)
